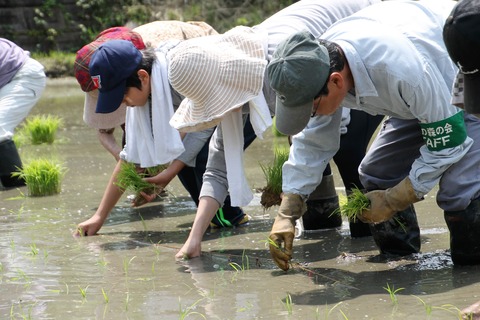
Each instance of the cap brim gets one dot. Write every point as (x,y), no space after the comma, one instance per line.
(109,101)
(292,120)
(472,94)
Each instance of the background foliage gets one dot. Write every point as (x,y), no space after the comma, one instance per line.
(82,20)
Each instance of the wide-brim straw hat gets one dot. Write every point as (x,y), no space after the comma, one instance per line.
(216,74)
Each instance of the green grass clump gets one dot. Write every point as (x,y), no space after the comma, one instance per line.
(356,202)
(130,179)
(42,128)
(42,176)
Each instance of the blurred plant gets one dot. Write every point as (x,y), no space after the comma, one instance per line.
(42,176)
(42,128)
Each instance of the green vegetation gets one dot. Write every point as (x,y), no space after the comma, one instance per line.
(56,63)
(355,203)
(129,178)
(273,176)
(42,128)
(42,176)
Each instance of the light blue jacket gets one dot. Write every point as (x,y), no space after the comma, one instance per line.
(401,69)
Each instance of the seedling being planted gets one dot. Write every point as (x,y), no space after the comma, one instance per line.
(131,178)
(42,128)
(355,204)
(42,176)
(273,176)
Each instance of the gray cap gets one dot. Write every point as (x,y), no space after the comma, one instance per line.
(297,72)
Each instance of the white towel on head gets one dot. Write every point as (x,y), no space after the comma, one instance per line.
(151,140)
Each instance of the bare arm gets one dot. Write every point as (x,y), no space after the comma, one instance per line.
(110,198)
(107,139)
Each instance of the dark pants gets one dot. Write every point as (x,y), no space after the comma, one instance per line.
(191,178)
(353,146)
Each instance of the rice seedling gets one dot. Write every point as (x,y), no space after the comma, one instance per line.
(33,250)
(83,292)
(129,178)
(105,296)
(245,263)
(288,304)
(102,262)
(42,128)
(393,293)
(273,176)
(126,264)
(446,307)
(42,176)
(127,300)
(144,224)
(356,202)
(188,311)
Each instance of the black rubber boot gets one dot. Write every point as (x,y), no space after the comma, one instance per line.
(399,235)
(464,226)
(9,162)
(323,207)
(359,229)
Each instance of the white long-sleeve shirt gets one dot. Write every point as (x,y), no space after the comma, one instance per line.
(400,68)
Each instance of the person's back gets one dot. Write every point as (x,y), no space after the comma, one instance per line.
(400,38)
(312,15)
(22,81)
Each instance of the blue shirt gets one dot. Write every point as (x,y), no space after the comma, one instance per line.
(400,68)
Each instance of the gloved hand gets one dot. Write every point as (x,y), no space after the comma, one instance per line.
(283,229)
(385,203)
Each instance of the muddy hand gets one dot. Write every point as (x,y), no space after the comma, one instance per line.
(379,210)
(142,198)
(385,203)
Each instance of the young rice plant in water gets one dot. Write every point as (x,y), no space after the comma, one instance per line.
(42,176)
(42,128)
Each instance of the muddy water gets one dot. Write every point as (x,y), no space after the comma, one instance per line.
(129,271)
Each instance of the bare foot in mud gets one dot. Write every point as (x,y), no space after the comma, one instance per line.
(188,251)
(472,312)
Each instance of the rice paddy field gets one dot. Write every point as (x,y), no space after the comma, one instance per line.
(128,271)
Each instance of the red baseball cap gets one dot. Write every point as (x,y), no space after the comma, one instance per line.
(84,55)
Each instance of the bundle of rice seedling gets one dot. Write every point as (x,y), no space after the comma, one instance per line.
(42,128)
(42,177)
(130,178)
(273,175)
(356,202)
